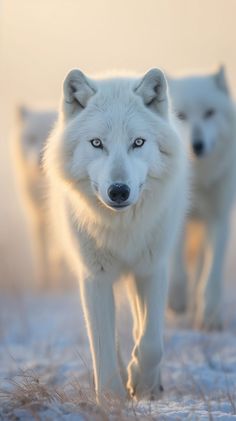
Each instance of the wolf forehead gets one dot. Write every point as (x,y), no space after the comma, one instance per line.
(79,90)
(115,95)
(115,117)
(200,90)
(115,107)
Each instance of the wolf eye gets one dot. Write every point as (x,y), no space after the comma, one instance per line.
(209,113)
(96,143)
(181,116)
(138,143)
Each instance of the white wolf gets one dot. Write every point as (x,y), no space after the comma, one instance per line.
(33,129)
(207,114)
(117,170)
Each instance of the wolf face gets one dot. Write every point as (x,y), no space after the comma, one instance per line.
(203,105)
(116,136)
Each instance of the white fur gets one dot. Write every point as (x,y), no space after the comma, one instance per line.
(214,178)
(33,129)
(104,243)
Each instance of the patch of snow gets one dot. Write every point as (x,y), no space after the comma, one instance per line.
(44,348)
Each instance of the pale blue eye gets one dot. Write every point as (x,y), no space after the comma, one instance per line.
(96,143)
(138,143)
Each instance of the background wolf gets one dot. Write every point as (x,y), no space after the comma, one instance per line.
(33,129)
(207,113)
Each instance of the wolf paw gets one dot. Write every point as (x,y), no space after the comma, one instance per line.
(144,384)
(209,320)
(210,324)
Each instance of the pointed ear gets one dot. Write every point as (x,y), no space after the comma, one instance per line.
(77,90)
(153,90)
(220,80)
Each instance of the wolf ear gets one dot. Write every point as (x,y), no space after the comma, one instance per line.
(77,90)
(220,80)
(153,90)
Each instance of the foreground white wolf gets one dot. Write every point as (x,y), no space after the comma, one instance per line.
(33,128)
(117,170)
(204,105)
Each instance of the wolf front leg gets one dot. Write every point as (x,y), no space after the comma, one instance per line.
(98,306)
(179,283)
(209,296)
(144,379)
(40,248)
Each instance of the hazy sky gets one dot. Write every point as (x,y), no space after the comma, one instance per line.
(42,40)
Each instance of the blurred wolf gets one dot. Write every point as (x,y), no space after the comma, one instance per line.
(33,129)
(118,181)
(207,119)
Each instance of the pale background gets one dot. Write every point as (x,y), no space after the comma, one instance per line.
(42,40)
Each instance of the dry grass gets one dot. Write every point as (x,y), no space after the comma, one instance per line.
(28,392)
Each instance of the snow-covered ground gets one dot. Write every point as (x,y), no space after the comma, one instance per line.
(45,365)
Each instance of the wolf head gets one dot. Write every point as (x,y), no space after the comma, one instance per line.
(114,136)
(35,127)
(203,105)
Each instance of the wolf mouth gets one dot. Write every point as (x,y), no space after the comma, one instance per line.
(114,206)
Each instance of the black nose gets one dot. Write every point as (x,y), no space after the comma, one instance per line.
(118,193)
(198,147)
